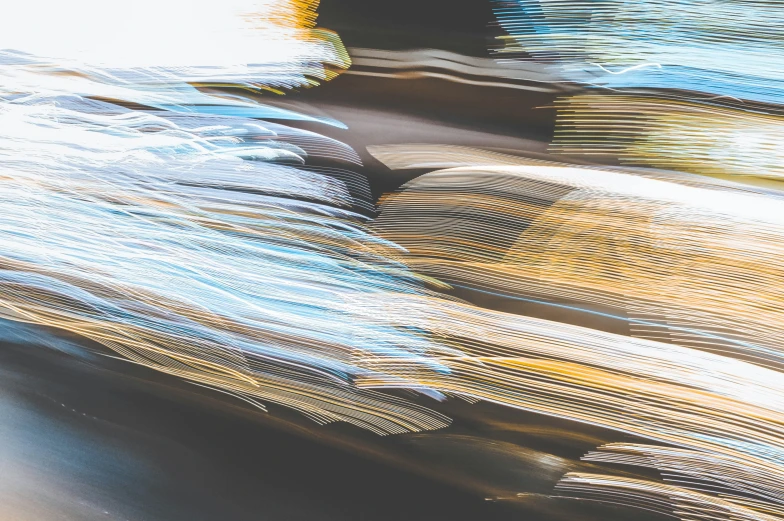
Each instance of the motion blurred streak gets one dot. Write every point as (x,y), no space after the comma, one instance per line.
(255,45)
(690,86)
(718,47)
(449,66)
(693,265)
(195,240)
(691,137)
(187,237)
(428,156)
(161,242)
(415,156)
(679,502)
(718,409)
(696,470)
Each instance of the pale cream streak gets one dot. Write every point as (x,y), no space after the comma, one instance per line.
(83,48)
(704,264)
(425,155)
(699,470)
(665,499)
(700,138)
(434,156)
(180,35)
